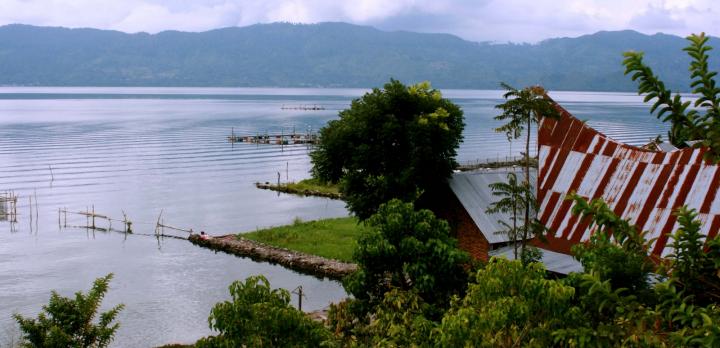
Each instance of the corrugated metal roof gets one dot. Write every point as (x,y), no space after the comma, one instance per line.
(554,262)
(473,191)
(640,185)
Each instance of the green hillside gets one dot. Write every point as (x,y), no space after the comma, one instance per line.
(324,55)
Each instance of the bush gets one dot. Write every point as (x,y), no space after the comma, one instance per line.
(508,305)
(258,316)
(67,322)
(407,250)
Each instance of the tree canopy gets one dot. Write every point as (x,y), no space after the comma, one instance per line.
(395,142)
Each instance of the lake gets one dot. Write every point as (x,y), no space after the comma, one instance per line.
(143,151)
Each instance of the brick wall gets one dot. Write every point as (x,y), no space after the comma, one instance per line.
(446,206)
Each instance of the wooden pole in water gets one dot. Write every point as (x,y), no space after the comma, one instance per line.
(299,292)
(157,224)
(36,208)
(93,216)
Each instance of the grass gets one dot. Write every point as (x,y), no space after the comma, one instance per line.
(329,238)
(313,185)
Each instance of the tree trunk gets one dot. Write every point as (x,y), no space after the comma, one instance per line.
(527,182)
(514,233)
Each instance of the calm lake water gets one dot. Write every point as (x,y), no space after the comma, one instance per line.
(146,150)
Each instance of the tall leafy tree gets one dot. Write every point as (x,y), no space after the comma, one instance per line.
(523,108)
(688,124)
(394,142)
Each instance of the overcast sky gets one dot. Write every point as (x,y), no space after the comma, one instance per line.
(477,20)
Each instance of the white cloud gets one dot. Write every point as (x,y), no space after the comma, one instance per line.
(479,20)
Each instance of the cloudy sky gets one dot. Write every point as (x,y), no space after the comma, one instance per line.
(477,20)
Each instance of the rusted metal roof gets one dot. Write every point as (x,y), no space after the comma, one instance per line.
(641,185)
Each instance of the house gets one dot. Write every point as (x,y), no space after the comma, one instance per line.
(642,185)
(465,205)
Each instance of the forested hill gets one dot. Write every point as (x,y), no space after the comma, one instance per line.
(327,55)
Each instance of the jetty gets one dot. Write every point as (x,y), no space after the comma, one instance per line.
(8,206)
(281,138)
(306,107)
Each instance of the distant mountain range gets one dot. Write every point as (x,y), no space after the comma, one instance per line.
(328,55)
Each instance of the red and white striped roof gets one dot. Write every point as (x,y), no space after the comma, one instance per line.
(640,185)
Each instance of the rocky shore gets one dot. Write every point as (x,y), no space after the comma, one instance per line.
(304,263)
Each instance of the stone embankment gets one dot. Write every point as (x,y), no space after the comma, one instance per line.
(297,261)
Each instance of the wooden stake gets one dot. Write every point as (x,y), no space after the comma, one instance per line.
(299,292)
(157,224)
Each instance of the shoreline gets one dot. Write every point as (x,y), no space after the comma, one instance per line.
(313,265)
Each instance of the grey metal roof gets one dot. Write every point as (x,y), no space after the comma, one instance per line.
(473,191)
(666,146)
(554,262)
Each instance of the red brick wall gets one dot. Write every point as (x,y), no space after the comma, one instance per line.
(446,206)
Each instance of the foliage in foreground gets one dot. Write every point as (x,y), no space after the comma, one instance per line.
(688,123)
(407,250)
(392,143)
(258,316)
(68,322)
(621,299)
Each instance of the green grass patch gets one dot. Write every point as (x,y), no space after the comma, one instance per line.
(313,185)
(330,238)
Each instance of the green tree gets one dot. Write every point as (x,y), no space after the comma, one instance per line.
(509,305)
(687,123)
(521,110)
(692,266)
(511,202)
(258,316)
(67,322)
(401,321)
(407,250)
(394,142)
